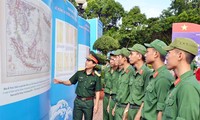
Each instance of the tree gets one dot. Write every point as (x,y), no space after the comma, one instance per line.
(106,44)
(108,11)
(132,22)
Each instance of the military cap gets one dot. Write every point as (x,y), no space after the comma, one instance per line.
(125,52)
(93,57)
(117,52)
(138,48)
(158,45)
(184,44)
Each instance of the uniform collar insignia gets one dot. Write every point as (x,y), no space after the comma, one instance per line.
(155,74)
(93,73)
(177,81)
(141,71)
(127,71)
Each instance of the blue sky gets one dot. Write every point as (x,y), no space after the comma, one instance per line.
(152,8)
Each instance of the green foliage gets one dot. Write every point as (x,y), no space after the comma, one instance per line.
(130,27)
(132,23)
(106,44)
(102,58)
(108,11)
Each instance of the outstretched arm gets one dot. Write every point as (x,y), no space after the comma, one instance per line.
(57,81)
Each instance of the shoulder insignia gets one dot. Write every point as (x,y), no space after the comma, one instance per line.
(96,73)
(155,74)
(81,70)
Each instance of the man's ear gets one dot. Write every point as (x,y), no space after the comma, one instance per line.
(181,55)
(140,56)
(156,54)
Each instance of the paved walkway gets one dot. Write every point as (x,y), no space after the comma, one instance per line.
(99,115)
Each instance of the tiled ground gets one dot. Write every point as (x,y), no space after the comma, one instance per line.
(99,115)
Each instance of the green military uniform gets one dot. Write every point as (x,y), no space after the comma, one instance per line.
(114,88)
(111,78)
(183,101)
(107,82)
(123,91)
(182,96)
(137,90)
(156,92)
(85,90)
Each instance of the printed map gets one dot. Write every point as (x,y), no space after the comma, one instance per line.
(28,38)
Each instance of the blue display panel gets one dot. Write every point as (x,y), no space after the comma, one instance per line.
(96,30)
(83,41)
(25,50)
(64,58)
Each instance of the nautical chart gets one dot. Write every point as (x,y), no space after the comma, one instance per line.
(28,38)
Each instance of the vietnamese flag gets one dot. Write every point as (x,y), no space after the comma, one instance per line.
(187,30)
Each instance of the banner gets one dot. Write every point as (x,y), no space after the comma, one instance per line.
(83,42)
(25,63)
(187,30)
(64,58)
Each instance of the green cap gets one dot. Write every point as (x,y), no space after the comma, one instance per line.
(117,52)
(184,44)
(125,52)
(158,45)
(138,48)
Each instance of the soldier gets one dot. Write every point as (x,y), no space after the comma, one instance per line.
(183,101)
(111,76)
(123,91)
(88,87)
(159,81)
(137,85)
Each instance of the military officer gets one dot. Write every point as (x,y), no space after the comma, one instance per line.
(137,85)
(159,83)
(183,101)
(88,87)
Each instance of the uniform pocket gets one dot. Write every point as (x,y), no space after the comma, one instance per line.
(150,95)
(80,79)
(179,118)
(170,101)
(90,84)
(150,87)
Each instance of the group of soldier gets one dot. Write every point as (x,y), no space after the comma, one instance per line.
(135,91)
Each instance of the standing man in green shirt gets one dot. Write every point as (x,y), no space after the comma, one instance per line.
(159,83)
(114,84)
(88,87)
(123,91)
(183,101)
(111,76)
(137,85)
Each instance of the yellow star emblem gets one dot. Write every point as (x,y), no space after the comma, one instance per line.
(184,27)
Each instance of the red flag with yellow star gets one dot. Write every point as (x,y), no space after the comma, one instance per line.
(187,30)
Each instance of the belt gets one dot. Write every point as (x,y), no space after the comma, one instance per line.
(123,105)
(108,95)
(86,98)
(134,106)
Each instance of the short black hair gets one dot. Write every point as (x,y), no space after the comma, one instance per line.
(189,57)
(143,57)
(162,57)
